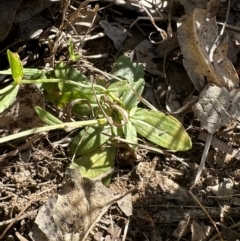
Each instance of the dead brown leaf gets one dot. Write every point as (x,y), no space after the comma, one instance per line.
(200,232)
(79,203)
(216,107)
(197,35)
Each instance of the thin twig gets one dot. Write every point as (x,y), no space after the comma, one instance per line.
(16,218)
(125,230)
(216,42)
(20,237)
(205,211)
(105,209)
(21,147)
(203,159)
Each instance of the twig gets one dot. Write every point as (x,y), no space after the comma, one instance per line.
(20,237)
(99,178)
(21,148)
(229,26)
(203,159)
(104,210)
(161,31)
(16,218)
(169,27)
(216,42)
(96,8)
(125,230)
(236,225)
(205,211)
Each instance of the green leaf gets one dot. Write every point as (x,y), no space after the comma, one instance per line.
(86,94)
(96,163)
(7,88)
(16,66)
(132,111)
(66,72)
(34,74)
(7,72)
(161,129)
(119,86)
(8,97)
(50,87)
(131,134)
(125,69)
(129,98)
(89,139)
(46,117)
(84,109)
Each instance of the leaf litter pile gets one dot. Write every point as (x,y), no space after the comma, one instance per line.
(119,120)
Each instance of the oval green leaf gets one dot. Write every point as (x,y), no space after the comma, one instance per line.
(129,98)
(125,69)
(86,94)
(131,134)
(96,163)
(161,129)
(89,139)
(66,72)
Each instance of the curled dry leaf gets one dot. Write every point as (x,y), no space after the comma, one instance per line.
(216,106)
(197,36)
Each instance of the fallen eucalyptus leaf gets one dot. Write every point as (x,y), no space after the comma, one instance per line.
(197,36)
(190,5)
(7,16)
(200,232)
(145,52)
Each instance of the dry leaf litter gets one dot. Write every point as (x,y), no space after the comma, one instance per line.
(191,54)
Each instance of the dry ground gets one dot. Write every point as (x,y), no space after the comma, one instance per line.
(164,206)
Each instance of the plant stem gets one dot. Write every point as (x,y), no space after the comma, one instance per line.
(40,81)
(66,126)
